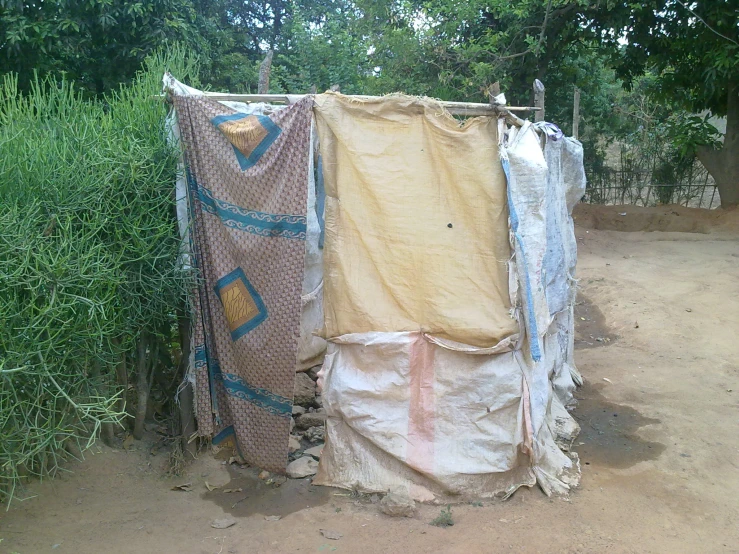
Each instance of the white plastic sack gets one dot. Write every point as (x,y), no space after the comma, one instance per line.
(410,416)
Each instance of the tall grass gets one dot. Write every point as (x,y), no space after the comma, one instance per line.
(89,280)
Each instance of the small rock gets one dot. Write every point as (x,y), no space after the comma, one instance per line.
(397,505)
(306,421)
(305,390)
(319,400)
(302,467)
(223,523)
(298,410)
(293,444)
(313,372)
(264,475)
(331,535)
(272,518)
(314,451)
(374,499)
(315,434)
(292,425)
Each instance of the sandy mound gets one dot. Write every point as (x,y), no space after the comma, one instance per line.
(670,218)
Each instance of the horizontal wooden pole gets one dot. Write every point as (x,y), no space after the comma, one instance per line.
(455,108)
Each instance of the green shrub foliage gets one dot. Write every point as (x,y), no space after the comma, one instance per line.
(89,278)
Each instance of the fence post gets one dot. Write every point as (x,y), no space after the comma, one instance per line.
(576,114)
(539,100)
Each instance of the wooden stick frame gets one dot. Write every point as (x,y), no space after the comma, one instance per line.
(464,109)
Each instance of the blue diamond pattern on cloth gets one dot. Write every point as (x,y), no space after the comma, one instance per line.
(249,135)
(243,306)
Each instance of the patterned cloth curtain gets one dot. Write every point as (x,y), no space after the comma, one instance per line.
(247,183)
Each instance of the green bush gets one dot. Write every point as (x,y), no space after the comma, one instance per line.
(89,279)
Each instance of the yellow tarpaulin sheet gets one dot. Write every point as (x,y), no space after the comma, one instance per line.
(416,221)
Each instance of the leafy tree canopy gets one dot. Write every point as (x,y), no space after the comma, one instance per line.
(96,43)
(450,49)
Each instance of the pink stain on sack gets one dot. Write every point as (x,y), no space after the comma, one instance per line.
(420,452)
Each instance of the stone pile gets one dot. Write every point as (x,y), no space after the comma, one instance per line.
(307,428)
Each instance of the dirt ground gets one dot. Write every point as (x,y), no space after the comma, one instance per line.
(658,345)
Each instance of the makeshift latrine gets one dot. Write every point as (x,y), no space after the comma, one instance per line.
(435,257)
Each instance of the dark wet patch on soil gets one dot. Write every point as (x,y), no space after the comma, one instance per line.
(591,329)
(609,432)
(280,497)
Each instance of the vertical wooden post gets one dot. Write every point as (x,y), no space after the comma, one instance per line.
(539,100)
(493,91)
(187,420)
(576,114)
(186,395)
(264,70)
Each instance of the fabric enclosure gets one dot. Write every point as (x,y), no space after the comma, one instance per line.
(440,268)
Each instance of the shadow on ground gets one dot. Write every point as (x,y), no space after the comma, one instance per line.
(591,329)
(277,496)
(609,431)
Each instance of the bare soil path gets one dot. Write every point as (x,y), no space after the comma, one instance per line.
(658,344)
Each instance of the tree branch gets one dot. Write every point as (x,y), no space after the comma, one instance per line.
(699,18)
(544,25)
(511,56)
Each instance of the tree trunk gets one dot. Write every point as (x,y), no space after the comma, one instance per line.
(107,433)
(723,164)
(121,374)
(264,71)
(153,365)
(106,427)
(142,386)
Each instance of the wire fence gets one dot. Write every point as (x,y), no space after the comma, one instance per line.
(637,187)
